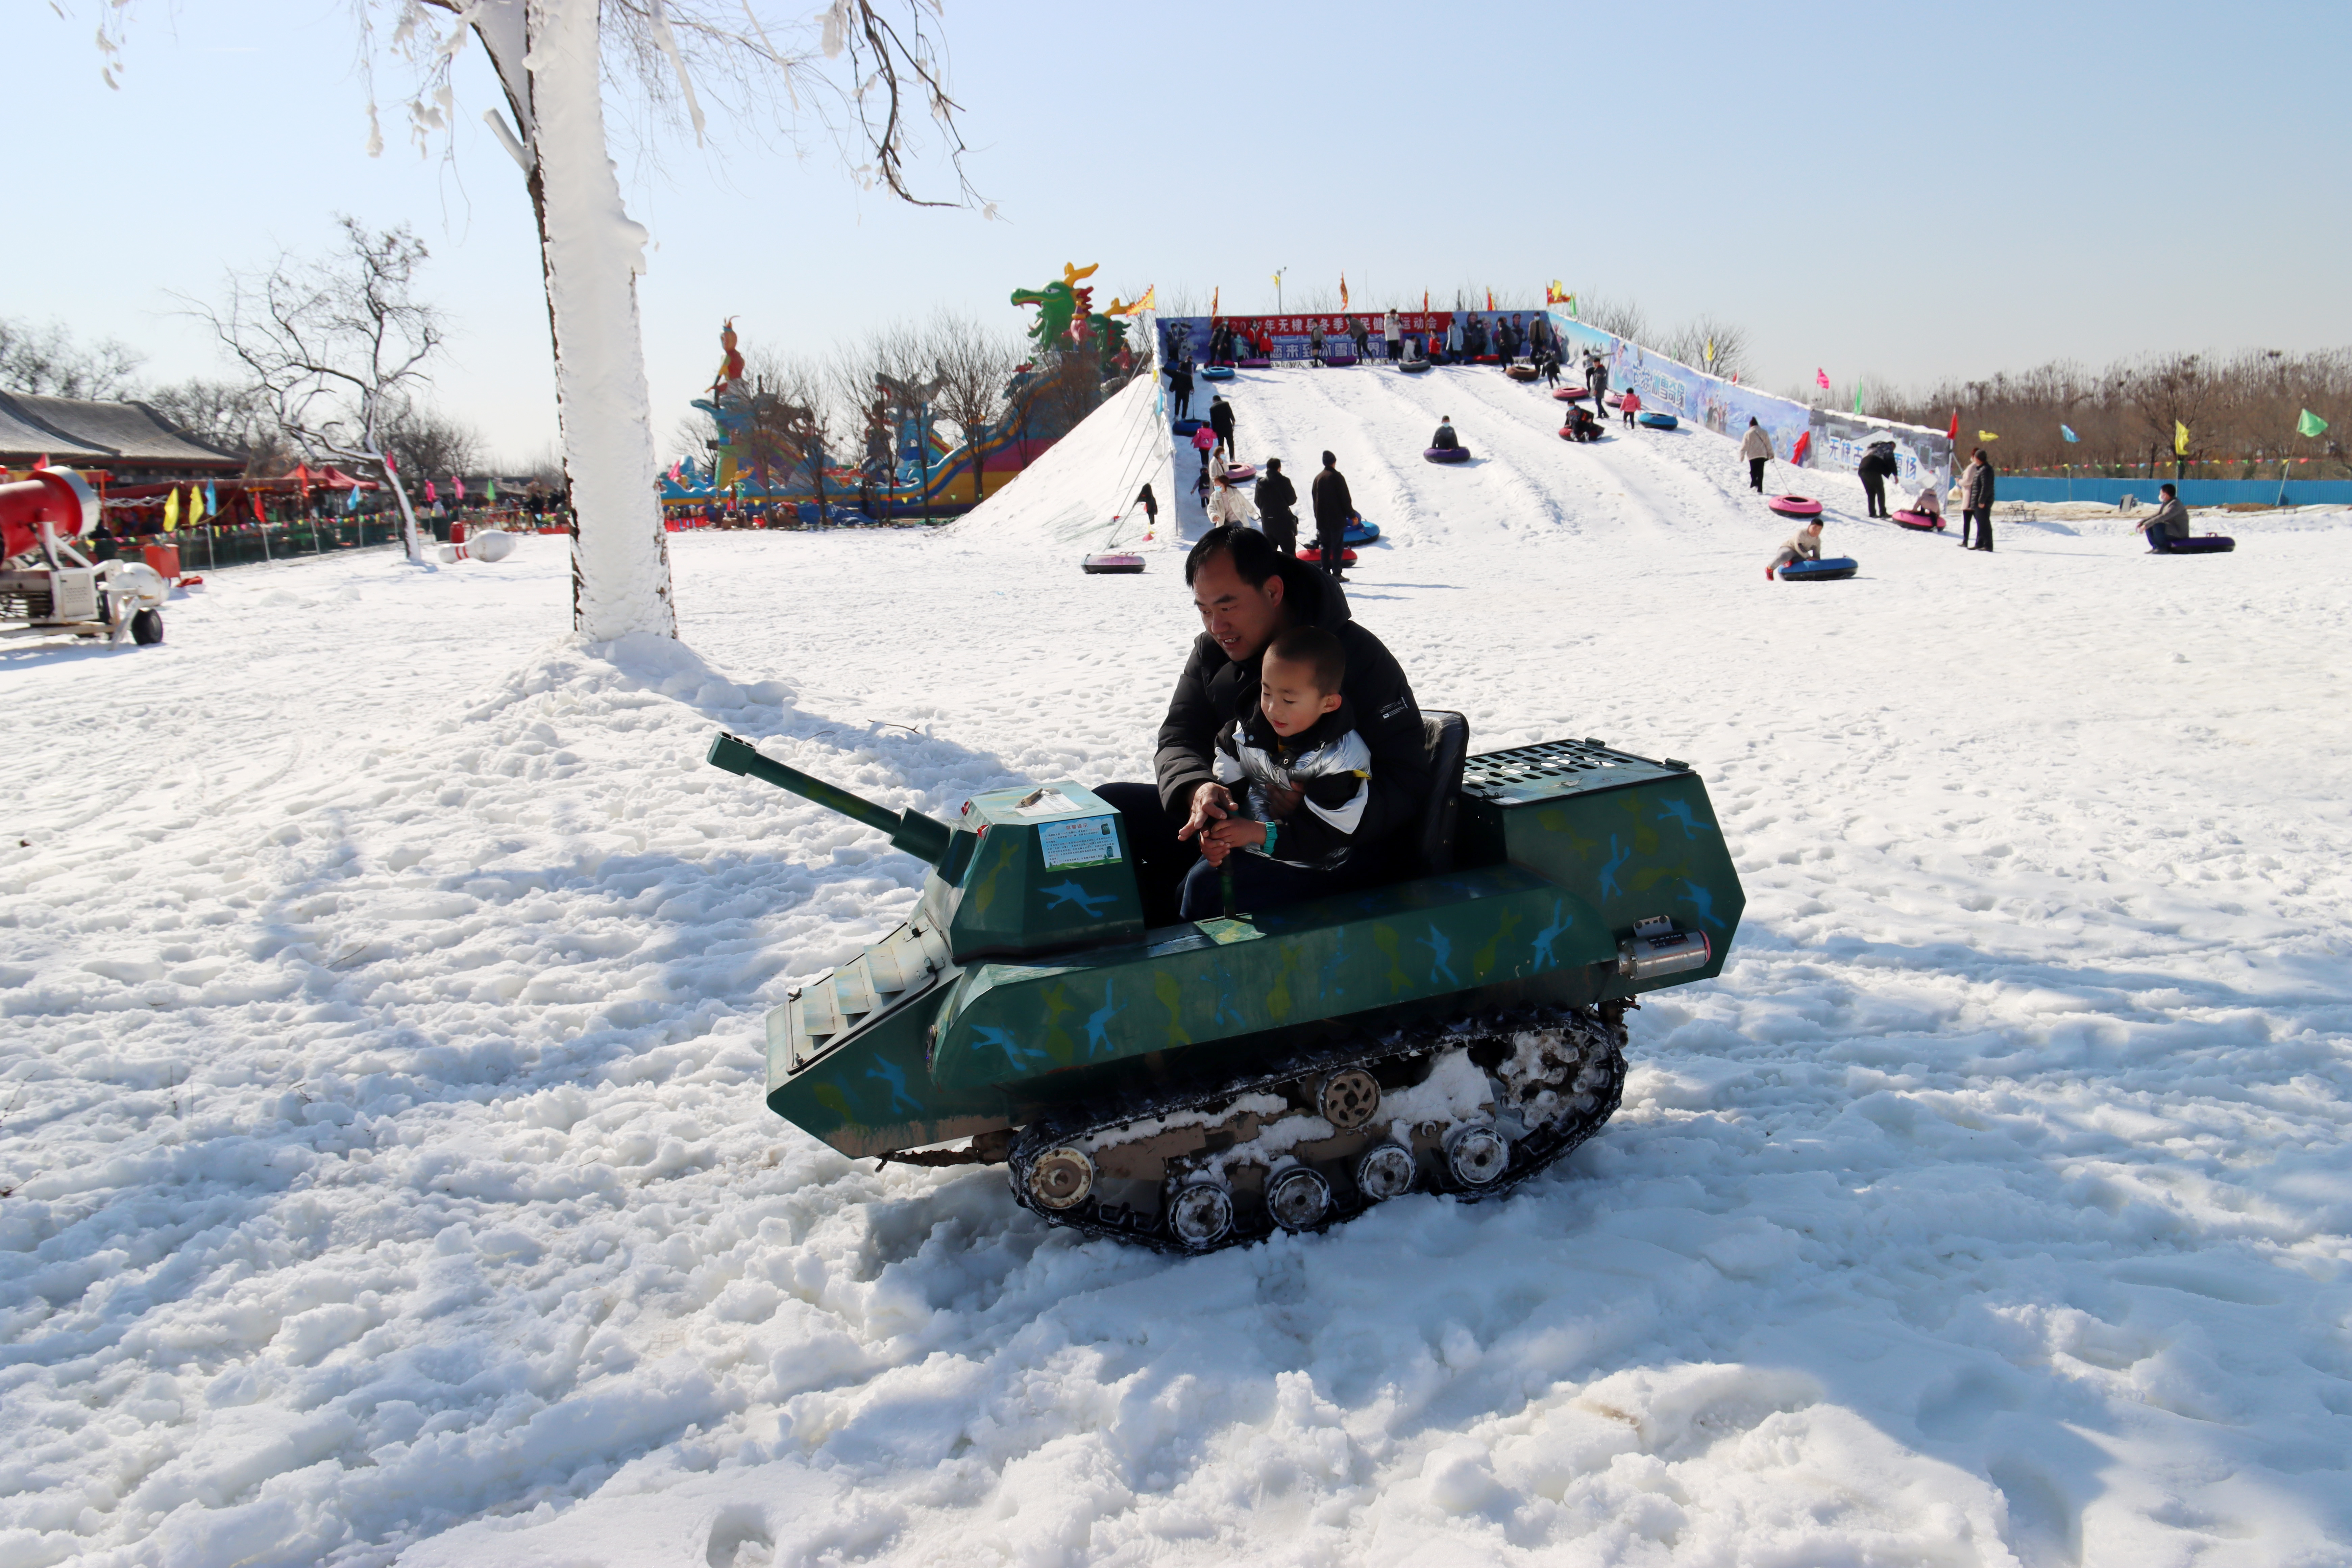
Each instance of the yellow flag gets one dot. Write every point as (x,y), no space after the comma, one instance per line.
(1150,298)
(196,506)
(1987,435)
(172,512)
(2179,438)
(1343,290)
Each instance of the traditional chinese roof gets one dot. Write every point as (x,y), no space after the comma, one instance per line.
(72,430)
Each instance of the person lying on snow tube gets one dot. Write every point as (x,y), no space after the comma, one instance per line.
(2168,525)
(1581,425)
(1805,544)
(1446,440)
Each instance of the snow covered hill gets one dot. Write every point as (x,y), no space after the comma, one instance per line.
(387,1178)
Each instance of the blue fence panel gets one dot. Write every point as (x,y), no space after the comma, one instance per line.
(2193,492)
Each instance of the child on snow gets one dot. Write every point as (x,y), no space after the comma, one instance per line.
(1805,544)
(1294,746)
(1632,405)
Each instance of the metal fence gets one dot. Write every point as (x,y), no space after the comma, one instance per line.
(209,549)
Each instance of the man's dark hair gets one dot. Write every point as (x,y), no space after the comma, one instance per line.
(1254,559)
(1315,648)
(2166,489)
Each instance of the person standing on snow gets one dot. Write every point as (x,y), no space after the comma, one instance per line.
(1315,343)
(1204,441)
(1179,388)
(1630,404)
(1454,341)
(1361,334)
(1277,500)
(1392,331)
(1333,508)
(1221,420)
(1976,500)
(1877,466)
(1596,381)
(1756,447)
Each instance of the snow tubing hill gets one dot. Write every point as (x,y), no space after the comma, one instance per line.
(1112,564)
(2210,544)
(1922,522)
(1829,569)
(1217,372)
(1656,421)
(1795,506)
(1447,454)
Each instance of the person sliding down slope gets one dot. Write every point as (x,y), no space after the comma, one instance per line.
(1446,440)
(1805,544)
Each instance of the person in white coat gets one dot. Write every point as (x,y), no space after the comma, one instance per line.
(1228,504)
(1454,341)
(1756,447)
(1393,332)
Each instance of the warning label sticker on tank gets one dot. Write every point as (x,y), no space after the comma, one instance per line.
(1088,841)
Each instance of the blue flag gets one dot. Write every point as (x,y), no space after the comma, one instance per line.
(2068,432)
(212,501)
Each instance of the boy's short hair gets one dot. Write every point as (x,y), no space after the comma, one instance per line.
(1315,648)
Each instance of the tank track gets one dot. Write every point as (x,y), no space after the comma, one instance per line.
(1545,1078)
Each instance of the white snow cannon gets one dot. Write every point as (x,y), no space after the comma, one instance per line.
(51,588)
(490,546)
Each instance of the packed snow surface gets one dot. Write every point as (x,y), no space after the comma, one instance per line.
(386,1173)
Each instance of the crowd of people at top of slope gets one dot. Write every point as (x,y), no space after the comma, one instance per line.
(1508,342)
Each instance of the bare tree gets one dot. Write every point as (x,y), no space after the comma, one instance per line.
(973,366)
(1688,344)
(233,415)
(1622,317)
(338,346)
(426,443)
(47,362)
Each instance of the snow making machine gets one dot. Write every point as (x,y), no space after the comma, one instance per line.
(1195,1085)
(49,587)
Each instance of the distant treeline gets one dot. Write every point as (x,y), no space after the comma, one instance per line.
(2242,412)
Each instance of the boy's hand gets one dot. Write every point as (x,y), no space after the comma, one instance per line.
(1235,833)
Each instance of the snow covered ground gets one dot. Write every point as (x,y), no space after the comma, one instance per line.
(387,1178)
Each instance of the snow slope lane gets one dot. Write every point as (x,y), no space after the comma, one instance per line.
(386,1177)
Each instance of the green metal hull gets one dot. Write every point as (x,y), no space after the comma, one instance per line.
(939,1032)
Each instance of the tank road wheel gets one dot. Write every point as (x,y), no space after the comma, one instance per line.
(1384,1172)
(1348,1099)
(1477,1154)
(1202,1215)
(1061,1178)
(1298,1198)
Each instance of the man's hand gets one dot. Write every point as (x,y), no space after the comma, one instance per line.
(1212,804)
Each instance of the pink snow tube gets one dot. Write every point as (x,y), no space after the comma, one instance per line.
(1925,521)
(1241,473)
(1795,506)
(1570,393)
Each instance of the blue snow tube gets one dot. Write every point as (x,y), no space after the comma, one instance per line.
(1187,427)
(1656,421)
(1828,570)
(1359,532)
(2210,544)
(1217,372)
(1447,454)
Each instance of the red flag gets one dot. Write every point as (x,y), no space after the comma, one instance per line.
(1804,445)
(1490,299)
(1954,433)
(1424,302)
(40,462)
(259,515)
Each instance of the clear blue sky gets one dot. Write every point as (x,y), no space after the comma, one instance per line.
(1893,191)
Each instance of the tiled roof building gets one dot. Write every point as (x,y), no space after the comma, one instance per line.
(129,441)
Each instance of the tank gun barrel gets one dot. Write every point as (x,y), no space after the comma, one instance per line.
(925,837)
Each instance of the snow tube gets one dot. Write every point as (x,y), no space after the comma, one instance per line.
(2210,544)
(1567,433)
(1795,506)
(1257,364)
(1359,532)
(1112,563)
(1186,426)
(1487,359)
(1412,366)
(1572,393)
(1241,474)
(1313,556)
(1217,372)
(1447,454)
(1520,372)
(1615,400)
(1829,569)
(1924,521)
(1656,421)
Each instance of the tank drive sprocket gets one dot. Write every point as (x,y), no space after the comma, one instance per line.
(1473,1106)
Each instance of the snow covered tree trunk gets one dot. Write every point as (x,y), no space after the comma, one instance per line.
(549,58)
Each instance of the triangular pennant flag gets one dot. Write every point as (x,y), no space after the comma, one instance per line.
(1212,302)
(1822,378)
(491,498)
(1804,445)
(1711,351)
(2068,431)
(2179,440)
(1857,397)
(1987,435)
(1490,299)
(2310,424)
(172,511)
(212,499)
(41,463)
(1343,290)
(1954,433)
(196,508)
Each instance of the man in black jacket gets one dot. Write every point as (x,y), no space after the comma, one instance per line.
(1333,509)
(1247,595)
(1221,420)
(1877,466)
(1277,500)
(1180,389)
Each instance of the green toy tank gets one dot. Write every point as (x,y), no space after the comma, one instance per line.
(1203,1084)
